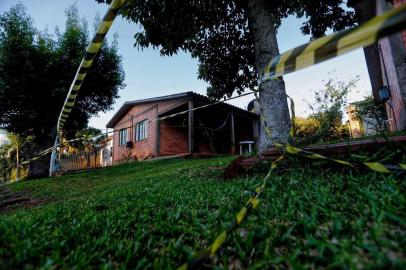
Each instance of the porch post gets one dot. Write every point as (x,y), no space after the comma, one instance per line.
(232,134)
(157,134)
(191,127)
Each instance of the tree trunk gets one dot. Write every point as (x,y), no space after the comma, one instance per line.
(275,120)
(40,167)
(366,10)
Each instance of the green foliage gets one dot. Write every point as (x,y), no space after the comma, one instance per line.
(218,33)
(328,106)
(372,114)
(15,145)
(5,163)
(88,141)
(148,215)
(37,68)
(306,127)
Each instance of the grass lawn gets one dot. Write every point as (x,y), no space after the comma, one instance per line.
(156,214)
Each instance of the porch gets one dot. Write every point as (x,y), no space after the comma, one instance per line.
(217,129)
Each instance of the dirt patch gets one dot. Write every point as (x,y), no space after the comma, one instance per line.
(11,200)
(235,169)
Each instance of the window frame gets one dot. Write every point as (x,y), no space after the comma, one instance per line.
(121,137)
(141,130)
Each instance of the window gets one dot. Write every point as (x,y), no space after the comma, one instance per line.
(122,137)
(141,130)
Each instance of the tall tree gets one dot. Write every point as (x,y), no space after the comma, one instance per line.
(233,40)
(36,70)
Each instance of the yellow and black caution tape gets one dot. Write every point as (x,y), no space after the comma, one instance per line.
(336,44)
(50,149)
(37,156)
(374,166)
(87,61)
(251,204)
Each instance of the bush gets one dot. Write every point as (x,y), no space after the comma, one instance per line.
(372,114)
(306,127)
(328,107)
(308,131)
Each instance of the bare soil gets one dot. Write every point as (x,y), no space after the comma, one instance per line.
(11,200)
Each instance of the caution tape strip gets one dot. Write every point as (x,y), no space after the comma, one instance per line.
(87,61)
(374,166)
(37,156)
(49,150)
(336,44)
(251,204)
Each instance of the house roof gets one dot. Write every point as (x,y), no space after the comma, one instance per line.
(184,95)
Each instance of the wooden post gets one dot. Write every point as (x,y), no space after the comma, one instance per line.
(157,137)
(157,134)
(52,162)
(232,135)
(191,127)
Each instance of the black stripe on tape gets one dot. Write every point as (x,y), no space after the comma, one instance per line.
(89,56)
(386,30)
(98,37)
(291,62)
(83,70)
(111,14)
(330,49)
(78,82)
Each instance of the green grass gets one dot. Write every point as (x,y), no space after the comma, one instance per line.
(156,214)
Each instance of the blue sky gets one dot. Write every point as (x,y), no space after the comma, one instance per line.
(148,74)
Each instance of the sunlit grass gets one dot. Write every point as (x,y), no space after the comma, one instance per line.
(156,214)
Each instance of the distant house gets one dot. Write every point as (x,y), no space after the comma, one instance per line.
(217,129)
(359,125)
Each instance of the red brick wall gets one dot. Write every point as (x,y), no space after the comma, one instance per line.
(173,140)
(145,148)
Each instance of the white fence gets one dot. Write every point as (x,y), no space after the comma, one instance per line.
(84,160)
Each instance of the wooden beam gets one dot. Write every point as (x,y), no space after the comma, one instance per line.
(191,127)
(232,134)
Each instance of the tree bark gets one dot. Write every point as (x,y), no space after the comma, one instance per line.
(275,120)
(366,10)
(40,167)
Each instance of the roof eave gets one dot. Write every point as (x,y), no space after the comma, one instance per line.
(128,104)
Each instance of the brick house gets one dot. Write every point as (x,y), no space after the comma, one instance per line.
(216,129)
